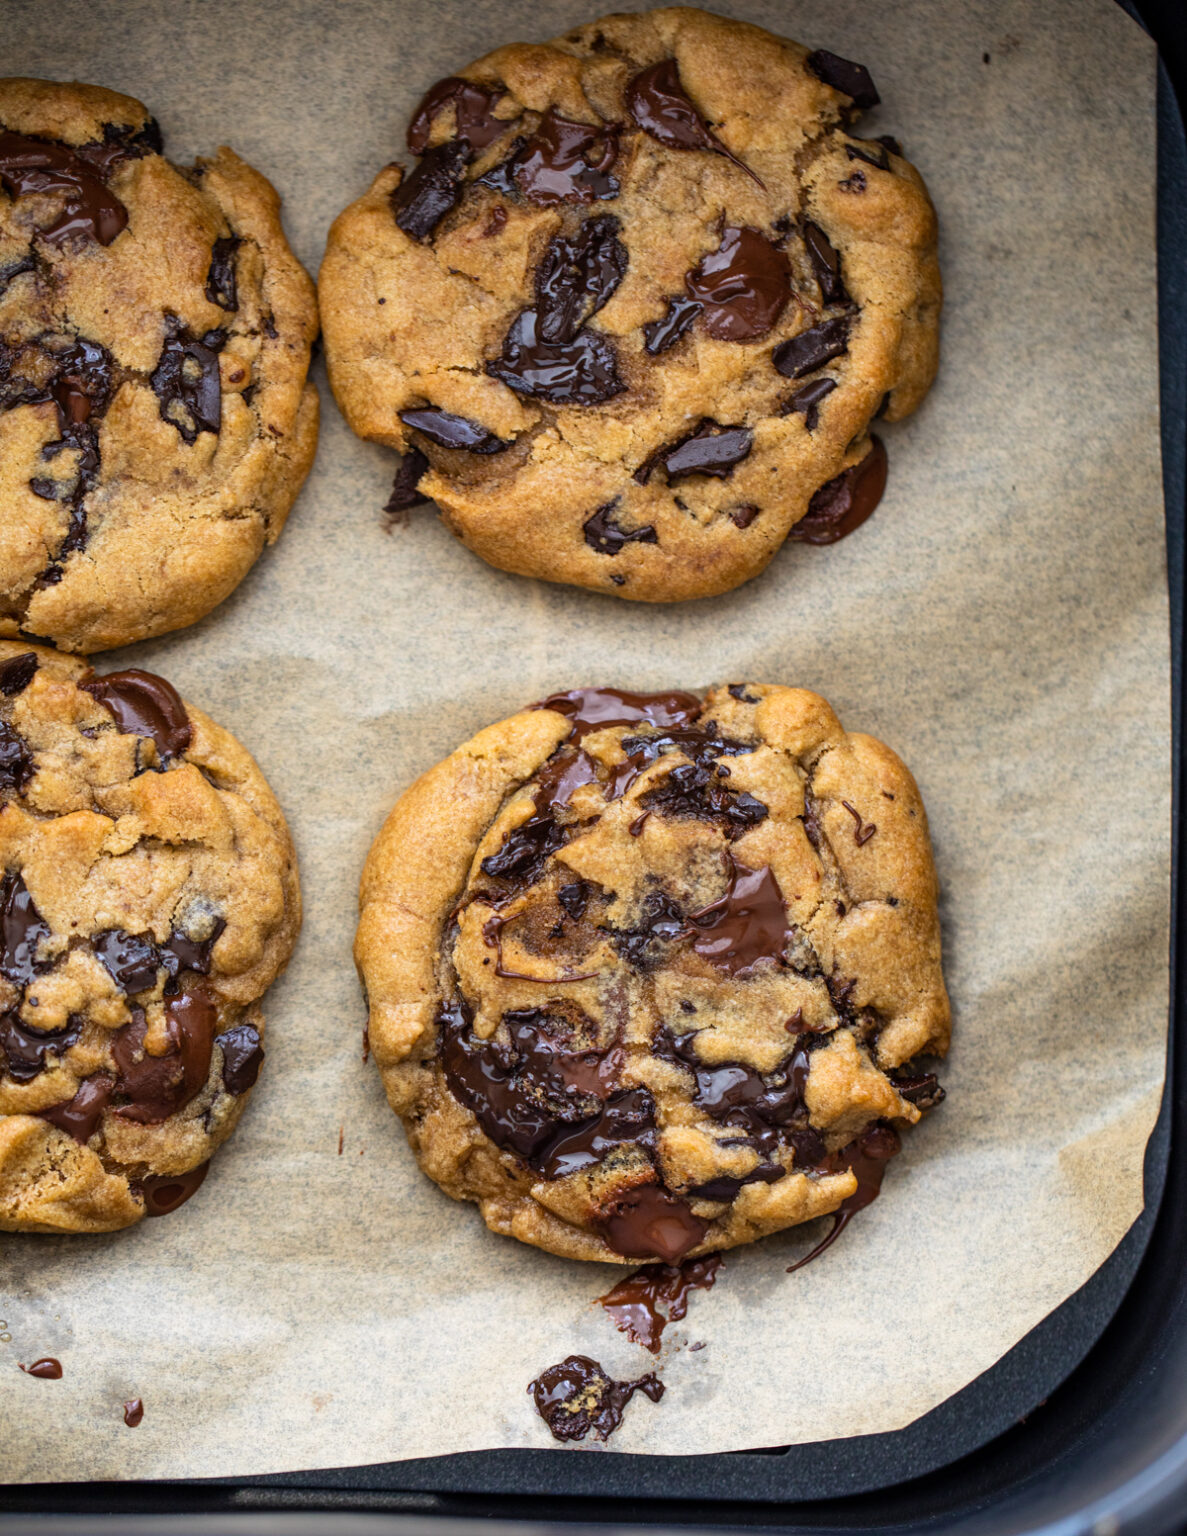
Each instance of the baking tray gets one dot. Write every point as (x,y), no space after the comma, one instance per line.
(1092,1401)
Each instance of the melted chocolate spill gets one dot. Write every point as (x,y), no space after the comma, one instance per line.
(79,1117)
(812,348)
(22,928)
(404,494)
(745,926)
(577,1395)
(709,450)
(17,673)
(30,165)
(577,277)
(560,163)
(156,1086)
(476,124)
(133,1412)
(661,107)
(650,1222)
(143,704)
(659,335)
(743,286)
(243,1056)
(807,401)
(635,1303)
(844,503)
(852,80)
(220,280)
(868,1156)
(48,1369)
(826,263)
(583,371)
(186,380)
(431,190)
(164,1192)
(16,761)
(24,1049)
(450,431)
(596,709)
(604,535)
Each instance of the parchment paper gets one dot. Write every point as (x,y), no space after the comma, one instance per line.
(1001,621)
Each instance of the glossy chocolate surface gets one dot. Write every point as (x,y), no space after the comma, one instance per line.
(143,704)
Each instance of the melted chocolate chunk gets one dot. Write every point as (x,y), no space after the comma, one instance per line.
(596,709)
(744,927)
(577,1395)
(919,1088)
(25,1049)
(133,1412)
(31,165)
(852,80)
(659,335)
(16,761)
(186,380)
(583,371)
(661,107)
(743,286)
(181,953)
(807,401)
(743,516)
(164,1192)
(243,1056)
(431,190)
(867,1156)
(826,264)
(696,789)
(559,163)
(628,1115)
(650,1222)
(404,493)
(450,431)
(635,1303)
(525,851)
(574,898)
(854,182)
(844,503)
(220,280)
(48,1369)
(709,450)
(577,277)
(79,1117)
(17,674)
(543,1040)
(22,928)
(878,158)
(604,535)
(143,704)
(131,960)
(812,348)
(156,1086)
(476,124)
(81,390)
(661,922)
(726,1188)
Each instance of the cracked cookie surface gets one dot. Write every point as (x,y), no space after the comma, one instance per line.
(647,975)
(629,317)
(156,422)
(148,897)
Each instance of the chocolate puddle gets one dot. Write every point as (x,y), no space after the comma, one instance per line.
(634,1303)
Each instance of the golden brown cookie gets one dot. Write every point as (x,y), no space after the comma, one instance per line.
(647,975)
(148,898)
(630,315)
(156,422)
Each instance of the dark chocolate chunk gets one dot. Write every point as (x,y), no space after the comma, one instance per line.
(574,898)
(659,335)
(854,182)
(710,450)
(404,493)
(746,926)
(660,922)
(807,401)
(16,761)
(16,269)
(919,1088)
(812,348)
(164,1192)
(892,144)
(243,1056)
(525,850)
(43,487)
(595,709)
(650,1222)
(180,953)
(22,928)
(131,959)
(186,380)
(727,1187)
(852,80)
(17,673)
(743,516)
(628,1115)
(826,263)
(24,1049)
(577,277)
(661,107)
(450,431)
(634,1303)
(220,280)
(604,535)
(695,790)
(576,1396)
(154,1087)
(560,163)
(739,691)
(878,158)
(743,286)
(431,190)
(583,371)
(79,1117)
(844,503)
(143,704)
(31,165)
(476,123)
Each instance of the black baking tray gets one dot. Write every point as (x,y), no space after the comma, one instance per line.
(1081,1427)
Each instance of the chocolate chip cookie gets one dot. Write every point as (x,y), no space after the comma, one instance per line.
(148,896)
(629,316)
(156,422)
(648,974)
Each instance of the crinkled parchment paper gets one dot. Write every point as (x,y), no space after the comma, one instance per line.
(1001,621)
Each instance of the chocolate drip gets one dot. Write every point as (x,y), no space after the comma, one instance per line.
(143,704)
(431,190)
(603,534)
(649,1221)
(583,371)
(635,1303)
(826,263)
(696,789)
(744,927)
(845,502)
(743,286)
(659,335)
(576,1396)
(812,348)
(133,1412)
(220,280)
(48,1369)
(807,401)
(476,124)
(156,1086)
(30,166)
(243,1056)
(79,1117)
(404,492)
(25,1049)
(17,673)
(186,380)
(662,107)
(867,1156)
(164,1192)
(709,450)
(556,164)
(597,709)
(450,431)
(22,928)
(852,80)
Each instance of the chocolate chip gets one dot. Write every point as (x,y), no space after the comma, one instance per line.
(79,1117)
(743,516)
(143,704)
(476,124)
(181,953)
(24,1049)
(812,348)
(16,761)
(164,1192)
(660,922)
(709,450)
(826,263)
(220,280)
(844,503)
(577,1395)
(17,673)
(431,190)
(404,494)
(525,850)
(31,166)
(131,960)
(22,928)
(243,1056)
(604,535)
(583,371)
(577,277)
(891,143)
(660,105)
(661,334)
(46,489)
(450,431)
(878,159)
(806,402)
(852,80)
(743,286)
(186,380)
(856,182)
(558,164)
